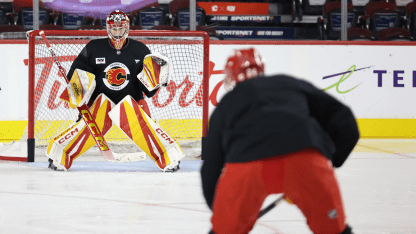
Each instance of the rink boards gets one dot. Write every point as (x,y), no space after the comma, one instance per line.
(376,79)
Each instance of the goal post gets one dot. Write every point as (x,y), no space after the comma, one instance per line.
(181,108)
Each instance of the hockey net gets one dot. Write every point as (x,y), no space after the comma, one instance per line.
(180,108)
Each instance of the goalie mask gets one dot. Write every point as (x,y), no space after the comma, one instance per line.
(118,24)
(242,65)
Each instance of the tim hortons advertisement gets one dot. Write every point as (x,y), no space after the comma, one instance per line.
(375,81)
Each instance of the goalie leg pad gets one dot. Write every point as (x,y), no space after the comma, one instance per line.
(143,104)
(76,140)
(146,134)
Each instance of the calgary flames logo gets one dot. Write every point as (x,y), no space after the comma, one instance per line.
(116,76)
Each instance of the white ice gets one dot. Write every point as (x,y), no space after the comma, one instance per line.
(378,183)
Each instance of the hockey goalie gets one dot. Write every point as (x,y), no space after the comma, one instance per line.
(110,75)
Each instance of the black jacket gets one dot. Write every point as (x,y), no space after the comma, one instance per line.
(270,116)
(99,57)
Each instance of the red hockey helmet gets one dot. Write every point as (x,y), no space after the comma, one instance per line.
(118,24)
(242,65)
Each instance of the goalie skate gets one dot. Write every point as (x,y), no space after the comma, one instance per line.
(52,166)
(172,167)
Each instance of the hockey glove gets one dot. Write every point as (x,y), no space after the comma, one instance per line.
(157,71)
(79,89)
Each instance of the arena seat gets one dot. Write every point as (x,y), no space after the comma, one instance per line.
(75,20)
(92,27)
(135,27)
(395,34)
(359,34)
(165,27)
(179,10)
(401,5)
(51,27)
(332,15)
(150,17)
(313,7)
(411,18)
(11,28)
(23,11)
(381,15)
(359,6)
(6,13)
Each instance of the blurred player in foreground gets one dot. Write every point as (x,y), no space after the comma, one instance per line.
(270,135)
(110,76)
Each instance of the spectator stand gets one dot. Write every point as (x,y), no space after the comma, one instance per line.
(381,15)
(359,34)
(77,20)
(359,6)
(249,20)
(411,18)
(6,13)
(150,16)
(395,34)
(332,19)
(180,14)
(401,6)
(23,14)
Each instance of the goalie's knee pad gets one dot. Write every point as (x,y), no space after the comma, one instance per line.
(146,134)
(77,139)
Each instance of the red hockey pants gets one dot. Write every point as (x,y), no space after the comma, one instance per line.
(306,177)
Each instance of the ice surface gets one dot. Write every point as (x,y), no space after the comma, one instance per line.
(378,184)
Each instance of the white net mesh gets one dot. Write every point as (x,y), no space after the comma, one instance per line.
(178,108)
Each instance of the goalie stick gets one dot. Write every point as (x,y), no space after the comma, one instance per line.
(91,125)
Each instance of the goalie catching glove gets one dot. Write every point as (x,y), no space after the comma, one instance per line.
(157,71)
(79,89)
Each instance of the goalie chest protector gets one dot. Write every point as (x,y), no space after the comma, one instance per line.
(115,73)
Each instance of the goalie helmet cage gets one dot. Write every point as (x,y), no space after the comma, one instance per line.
(181,108)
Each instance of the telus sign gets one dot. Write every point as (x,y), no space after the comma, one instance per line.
(398,76)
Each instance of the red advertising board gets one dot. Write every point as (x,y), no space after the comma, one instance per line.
(234,8)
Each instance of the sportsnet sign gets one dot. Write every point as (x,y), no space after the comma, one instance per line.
(255,32)
(245,18)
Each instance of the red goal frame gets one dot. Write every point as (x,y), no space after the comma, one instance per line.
(141,33)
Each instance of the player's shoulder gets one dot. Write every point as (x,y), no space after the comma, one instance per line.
(100,42)
(138,46)
(136,43)
(279,81)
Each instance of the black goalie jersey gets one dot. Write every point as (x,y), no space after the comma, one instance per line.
(115,74)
